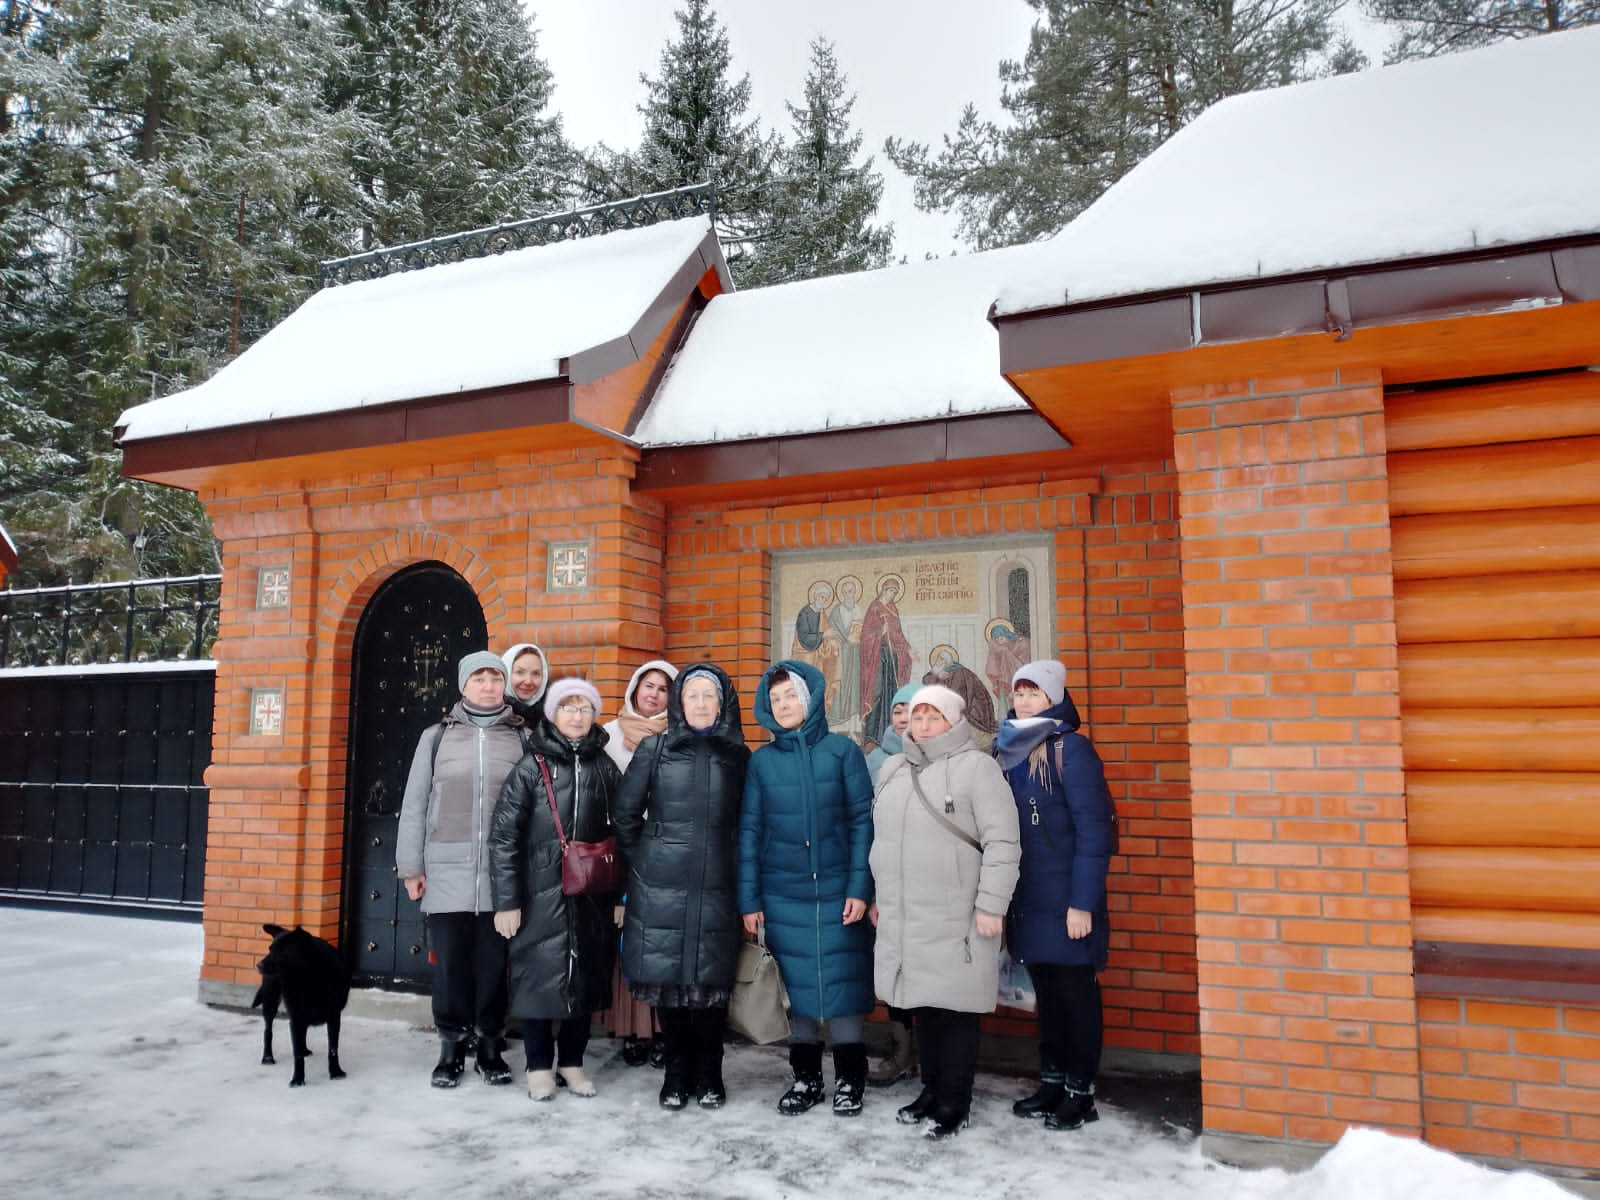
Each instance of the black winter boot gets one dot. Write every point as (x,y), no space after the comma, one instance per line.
(707,1025)
(494,1069)
(945,1124)
(1077,1109)
(452,1060)
(677,1048)
(805,1058)
(849,1078)
(1052,1090)
(919,1110)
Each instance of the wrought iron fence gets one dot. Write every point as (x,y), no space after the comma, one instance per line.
(142,620)
(695,200)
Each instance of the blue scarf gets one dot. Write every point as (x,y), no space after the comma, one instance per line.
(1019,735)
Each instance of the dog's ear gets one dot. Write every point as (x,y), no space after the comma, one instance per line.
(276,931)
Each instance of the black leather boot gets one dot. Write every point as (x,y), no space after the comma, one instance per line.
(806,1091)
(919,1110)
(452,1060)
(1076,1109)
(1052,1090)
(676,1049)
(489,1063)
(707,1025)
(849,1078)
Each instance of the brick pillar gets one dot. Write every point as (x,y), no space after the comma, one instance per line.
(1302,902)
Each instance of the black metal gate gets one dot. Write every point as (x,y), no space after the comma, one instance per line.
(412,634)
(102,800)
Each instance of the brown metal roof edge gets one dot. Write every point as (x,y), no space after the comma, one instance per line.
(512,406)
(8,551)
(1563,270)
(628,348)
(1513,972)
(689,314)
(833,452)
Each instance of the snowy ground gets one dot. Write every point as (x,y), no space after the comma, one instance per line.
(114,1081)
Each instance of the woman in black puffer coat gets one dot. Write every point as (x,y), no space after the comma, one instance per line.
(677,818)
(563,947)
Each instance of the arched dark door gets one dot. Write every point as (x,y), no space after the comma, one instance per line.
(414,631)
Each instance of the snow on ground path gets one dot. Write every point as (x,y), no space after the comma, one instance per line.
(114,1080)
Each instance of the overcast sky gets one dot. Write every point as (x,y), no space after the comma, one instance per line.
(912,63)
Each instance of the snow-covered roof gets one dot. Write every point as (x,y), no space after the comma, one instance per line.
(906,343)
(456,327)
(1463,153)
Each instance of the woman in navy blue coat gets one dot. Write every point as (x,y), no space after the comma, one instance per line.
(1058,923)
(805,829)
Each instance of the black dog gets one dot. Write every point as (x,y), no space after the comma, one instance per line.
(311,980)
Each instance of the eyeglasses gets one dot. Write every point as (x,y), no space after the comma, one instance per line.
(577,707)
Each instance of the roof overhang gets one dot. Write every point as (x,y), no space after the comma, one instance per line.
(8,555)
(469,425)
(884,456)
(1525,308)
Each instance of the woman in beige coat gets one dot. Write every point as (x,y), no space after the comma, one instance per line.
(944,863)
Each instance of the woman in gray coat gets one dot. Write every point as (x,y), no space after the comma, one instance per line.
(441,854)
(944,864)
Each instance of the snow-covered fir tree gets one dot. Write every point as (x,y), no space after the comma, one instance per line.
(695,129)
(178,182)
(824,200)
(1103,83)
(457,132)
(1430,27)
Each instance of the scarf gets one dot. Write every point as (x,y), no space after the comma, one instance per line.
(1019,735)
(484,717)
(636,728)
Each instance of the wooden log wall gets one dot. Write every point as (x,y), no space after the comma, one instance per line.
(1495,498)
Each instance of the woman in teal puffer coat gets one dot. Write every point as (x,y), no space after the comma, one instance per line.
(805,829)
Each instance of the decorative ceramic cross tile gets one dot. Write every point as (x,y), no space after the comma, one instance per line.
(266,711)
(569,566)
(272,587)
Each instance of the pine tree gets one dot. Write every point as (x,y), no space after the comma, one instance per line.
(1103,83)
(454,98)
(824,201)
(177,188)
(695,130)
(1430,27)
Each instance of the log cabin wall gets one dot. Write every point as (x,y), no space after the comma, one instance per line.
(1495,495)
(1118,630)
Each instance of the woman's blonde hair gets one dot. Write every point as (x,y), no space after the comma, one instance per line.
(1039,763)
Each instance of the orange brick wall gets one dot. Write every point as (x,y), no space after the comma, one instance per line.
(1512,1080)
(1118,630)
(1302,910)
(277,813)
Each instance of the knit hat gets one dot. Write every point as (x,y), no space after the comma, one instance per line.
(571,685)
(1046,674)
(903,696)
(950,705)
(478,660)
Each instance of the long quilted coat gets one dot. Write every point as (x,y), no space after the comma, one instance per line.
(931,884)
(804,834)
(677,817)
(562,957)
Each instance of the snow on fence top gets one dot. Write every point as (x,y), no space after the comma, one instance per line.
(880,347)
(1492,147)
(456,327)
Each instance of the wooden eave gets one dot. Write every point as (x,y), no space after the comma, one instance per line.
(1526,308)
(483,423)
(884,456)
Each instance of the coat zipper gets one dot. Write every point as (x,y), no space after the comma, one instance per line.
(478,825)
